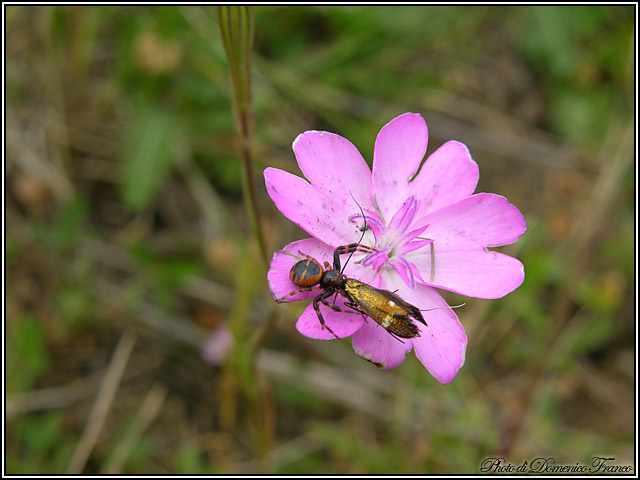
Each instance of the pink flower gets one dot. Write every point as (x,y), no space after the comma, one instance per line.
(408,217)
(217,346)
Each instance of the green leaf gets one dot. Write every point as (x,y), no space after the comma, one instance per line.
(27,354)
(42,433)
(189,459)
(63,233)
(147,157)
(581,115)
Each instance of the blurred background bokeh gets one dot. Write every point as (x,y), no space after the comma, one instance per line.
(135,293)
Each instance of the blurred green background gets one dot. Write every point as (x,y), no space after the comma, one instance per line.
(129,257)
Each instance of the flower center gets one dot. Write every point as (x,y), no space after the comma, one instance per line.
(395,240)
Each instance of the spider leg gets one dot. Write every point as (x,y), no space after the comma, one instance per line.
(322,298)
(351,248)
(305,289)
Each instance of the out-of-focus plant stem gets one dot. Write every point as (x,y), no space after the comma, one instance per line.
(236,30)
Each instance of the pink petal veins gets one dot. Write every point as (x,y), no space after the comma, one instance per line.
(335,167)
(320,215)
(376,345)
(448,175)
(442,344)
(342,324)
(483,219)
(473,272)
(399,149)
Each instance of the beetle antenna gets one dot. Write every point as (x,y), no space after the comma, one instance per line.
(433,256)
(364,230)
(438,308)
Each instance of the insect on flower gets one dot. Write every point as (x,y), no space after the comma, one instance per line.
(384,307)
(426,230)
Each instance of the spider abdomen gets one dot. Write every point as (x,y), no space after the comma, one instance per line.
(306,273)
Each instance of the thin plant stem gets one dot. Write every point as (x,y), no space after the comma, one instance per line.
(236,29)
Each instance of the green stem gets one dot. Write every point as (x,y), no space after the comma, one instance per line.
(236,29)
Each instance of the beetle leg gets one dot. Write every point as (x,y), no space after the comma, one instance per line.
(395,336)
(355,307)
(337,308)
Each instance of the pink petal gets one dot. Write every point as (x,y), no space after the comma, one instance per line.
(375,344)
(278,278)
(484,219)
(333,165)
(399,149)
(473,272)
(411,246)
(356,269)
(323,217)
(342,324)
(449,174)
(460,233)
(442,344)
(413,234)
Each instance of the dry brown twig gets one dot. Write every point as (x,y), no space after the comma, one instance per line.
(147,412)
(103,402)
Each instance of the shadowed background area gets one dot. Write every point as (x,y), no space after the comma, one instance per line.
(134,289)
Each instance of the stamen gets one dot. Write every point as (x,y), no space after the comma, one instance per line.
(377,259)
(404,216)
(404,270)
(373,222)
